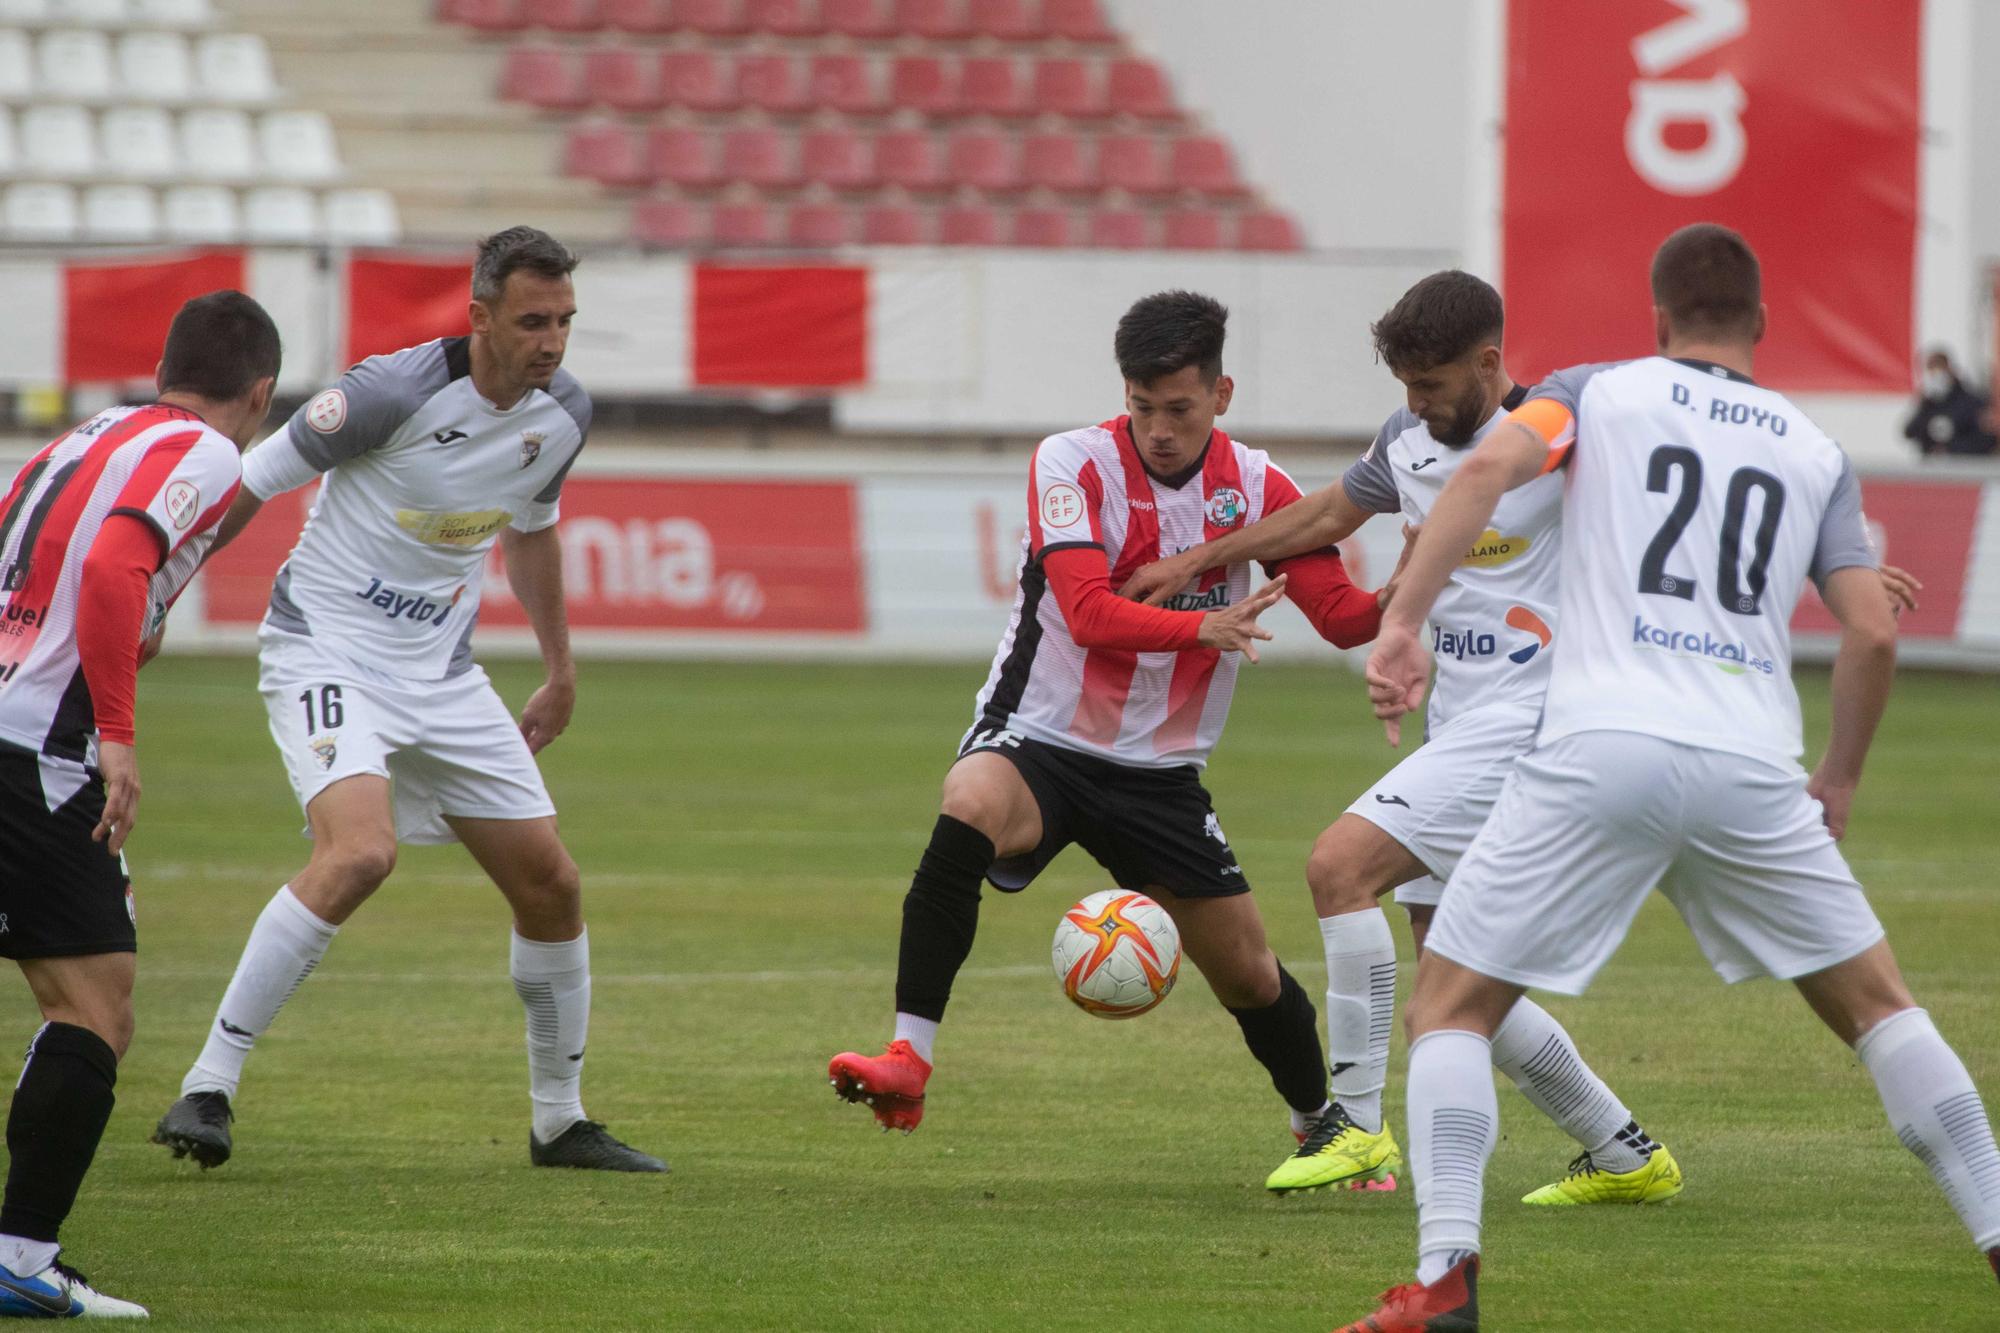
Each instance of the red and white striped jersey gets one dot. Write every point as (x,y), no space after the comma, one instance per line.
(1155,710)
(157,463)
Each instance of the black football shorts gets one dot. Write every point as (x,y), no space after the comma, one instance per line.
(61,894)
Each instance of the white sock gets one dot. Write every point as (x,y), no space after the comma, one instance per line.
(1454,1119)
(553,981)
(1531,1048)
(284,947)
(25,1258)
(1302,1123)
(1360,1009)
(921,1033)
(1936,1112)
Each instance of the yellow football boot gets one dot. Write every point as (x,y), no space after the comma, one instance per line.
(1655,1182)
(1339,1154)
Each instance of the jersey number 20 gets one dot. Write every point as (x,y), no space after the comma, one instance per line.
(1737,587)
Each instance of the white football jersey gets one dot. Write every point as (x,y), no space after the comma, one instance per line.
(1493,623)
(1698,504)
(421,474)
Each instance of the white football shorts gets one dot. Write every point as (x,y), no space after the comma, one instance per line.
(1435,801)
(1588,824)
(449,747)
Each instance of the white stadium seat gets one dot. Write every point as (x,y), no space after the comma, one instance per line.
(281,215)
(38,212)
(25,13)
(57,141)
(120,213)
(155,67)
(362,217)
(216,145)
(201,213)
(235,67)
(73,65)
(298,146)
(91,13)
(10,152)
(137,143)
(173,13)
(17,66)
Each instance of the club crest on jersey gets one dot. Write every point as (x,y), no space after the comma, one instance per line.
(328,412)
(183,502)
(1226,507)
(531,446)
(324,749)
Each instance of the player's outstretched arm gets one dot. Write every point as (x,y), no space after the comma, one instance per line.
(1342,614)
(236,518)
(534,572)
(1314,521)
(1862,674)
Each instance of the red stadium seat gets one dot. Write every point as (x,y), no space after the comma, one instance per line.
(694,79)
(922,83)
(817,226)
(711,18)
(618,76)
(542,77)
(1121,229)
(1069,88)
(1058,162)
(608,154)
(747,223)
(992,86)
(1009,20)
(844,83)
(639,16)
(865,19)
(772,83)
(490,16)
(683,157)
(1132,162)
(1138,88)
(786,18)
(983,160)
(908,158)
(670,222)
(968,224)
(893,224)
(565,15)
(1078,20)
(1047,228)
(1268,230)
(836,158)
(759,156)
(1204,162)
(937,20)
(1193,229)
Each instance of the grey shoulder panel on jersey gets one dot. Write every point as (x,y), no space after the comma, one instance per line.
(1843,531)
(284,613)
(1371,482)
(380,394)
(565,389)
(1566,386)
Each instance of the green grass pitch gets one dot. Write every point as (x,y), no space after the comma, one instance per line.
(746,835)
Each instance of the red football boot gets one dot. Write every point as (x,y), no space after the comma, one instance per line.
(892,1083)
(1448,1305)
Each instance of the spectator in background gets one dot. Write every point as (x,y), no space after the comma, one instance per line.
(1950,416)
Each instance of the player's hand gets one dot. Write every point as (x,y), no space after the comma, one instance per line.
(1388,590)
(1154,584)
(547,714)
(1235,630)
(1834,803)
(120,767)
(1902,587)
(1399,670)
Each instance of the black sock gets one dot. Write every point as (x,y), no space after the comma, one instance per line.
(60,1107)
(940,914)
(1284,1036)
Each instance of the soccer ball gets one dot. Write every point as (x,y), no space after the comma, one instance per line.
(1117,954)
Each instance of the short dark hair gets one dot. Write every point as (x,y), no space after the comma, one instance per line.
(1170,331)
(218,346)
(513,250)
(1706,278)
(1442,318)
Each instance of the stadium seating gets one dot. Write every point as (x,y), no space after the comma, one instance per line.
(280,215)
(361,216)
(200,213)
(120,213)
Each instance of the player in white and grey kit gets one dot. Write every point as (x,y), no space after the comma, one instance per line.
(389,731)
(1696,505)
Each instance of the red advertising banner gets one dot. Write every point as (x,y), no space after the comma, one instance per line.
(1927,528)
(1795,122)
(398,303)
(115,316)
(783,327)
(641,553)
